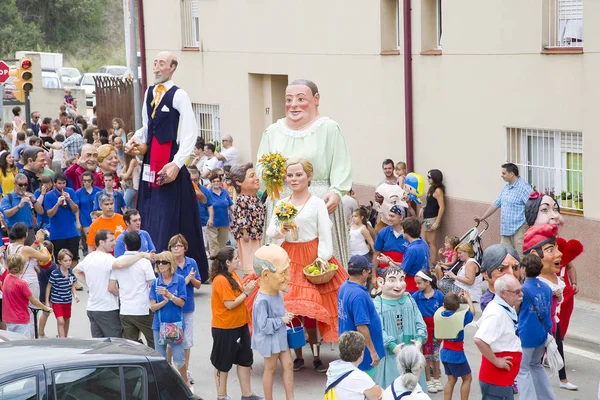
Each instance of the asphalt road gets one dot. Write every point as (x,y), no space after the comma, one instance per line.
(583,361)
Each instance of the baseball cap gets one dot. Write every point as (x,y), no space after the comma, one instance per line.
(359,263)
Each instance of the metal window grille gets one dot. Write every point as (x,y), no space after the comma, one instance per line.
(209,122)
(565,24)
(551,161)
(190,23)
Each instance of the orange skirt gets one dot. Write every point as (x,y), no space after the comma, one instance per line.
(319,302)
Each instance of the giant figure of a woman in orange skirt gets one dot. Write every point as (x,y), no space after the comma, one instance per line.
(311,238)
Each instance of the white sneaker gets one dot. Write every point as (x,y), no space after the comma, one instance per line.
(431,387)
(189,378)
(568,386)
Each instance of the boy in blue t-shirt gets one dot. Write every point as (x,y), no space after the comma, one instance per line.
(452,354)
(416,256)
(356,312)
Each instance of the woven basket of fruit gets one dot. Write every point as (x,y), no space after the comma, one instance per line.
(320,272)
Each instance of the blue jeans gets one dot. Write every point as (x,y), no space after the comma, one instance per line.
(177,349)
(129,195)
(532,379)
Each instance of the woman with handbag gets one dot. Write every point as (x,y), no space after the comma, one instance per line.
(230,332)
(167,297)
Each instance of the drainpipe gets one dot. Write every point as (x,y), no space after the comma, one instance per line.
(142,44)
(408,88)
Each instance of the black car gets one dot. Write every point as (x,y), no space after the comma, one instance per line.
(94,369)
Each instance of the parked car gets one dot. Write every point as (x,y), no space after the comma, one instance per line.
(114,70)
(70,76)
(87,369)
(51,79)
(87,83)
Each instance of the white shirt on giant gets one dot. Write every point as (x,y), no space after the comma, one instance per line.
(497,329)
(231,156)
(188,129)
(97,267)
(312,222)
(133,286)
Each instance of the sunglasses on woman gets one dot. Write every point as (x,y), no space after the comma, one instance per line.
(163,262)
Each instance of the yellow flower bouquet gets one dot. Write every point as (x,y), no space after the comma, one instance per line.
(273,173)
(285,213)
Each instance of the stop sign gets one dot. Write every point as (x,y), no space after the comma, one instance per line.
(3,71)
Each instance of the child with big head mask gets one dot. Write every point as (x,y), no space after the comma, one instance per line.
(401,321)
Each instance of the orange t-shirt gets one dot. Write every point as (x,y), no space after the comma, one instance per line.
(116,225)
(222,317)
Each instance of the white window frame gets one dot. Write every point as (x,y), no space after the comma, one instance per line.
(398,27)
(550,171)
(565,23)
(438,23)
(190,23)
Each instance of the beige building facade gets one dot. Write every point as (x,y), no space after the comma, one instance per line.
(493,81)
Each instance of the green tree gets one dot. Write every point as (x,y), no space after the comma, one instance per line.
(67,25)
(15,34)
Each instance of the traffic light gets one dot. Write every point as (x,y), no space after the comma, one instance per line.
(24,81)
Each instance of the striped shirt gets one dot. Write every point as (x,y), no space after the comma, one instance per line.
(511,202)
(62,288)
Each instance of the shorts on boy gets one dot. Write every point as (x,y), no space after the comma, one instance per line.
(457,370)
(61,310)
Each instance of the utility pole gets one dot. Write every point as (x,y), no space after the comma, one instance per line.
(132,61)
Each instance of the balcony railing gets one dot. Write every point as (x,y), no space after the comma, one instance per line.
(565,23)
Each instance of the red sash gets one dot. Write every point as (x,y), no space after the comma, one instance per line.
(411,285)
(493,375)
(160,155)
(394,255)
(456,346)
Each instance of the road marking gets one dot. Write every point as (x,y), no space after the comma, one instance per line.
(582,353)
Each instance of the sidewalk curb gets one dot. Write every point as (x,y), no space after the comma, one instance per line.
(584,332)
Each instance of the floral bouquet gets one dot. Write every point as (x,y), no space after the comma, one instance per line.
(273,173)
(285,213)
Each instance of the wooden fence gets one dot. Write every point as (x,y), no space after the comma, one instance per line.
(114,99)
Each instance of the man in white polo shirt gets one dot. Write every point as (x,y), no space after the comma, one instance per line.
(131,284)
(94,271)
(498,342)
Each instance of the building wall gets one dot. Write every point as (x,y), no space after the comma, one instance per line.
(491,74)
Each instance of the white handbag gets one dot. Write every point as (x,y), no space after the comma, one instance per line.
(554,359)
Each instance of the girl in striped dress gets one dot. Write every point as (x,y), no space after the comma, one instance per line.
(401,321)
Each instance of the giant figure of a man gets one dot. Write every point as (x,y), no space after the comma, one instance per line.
(166,197)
